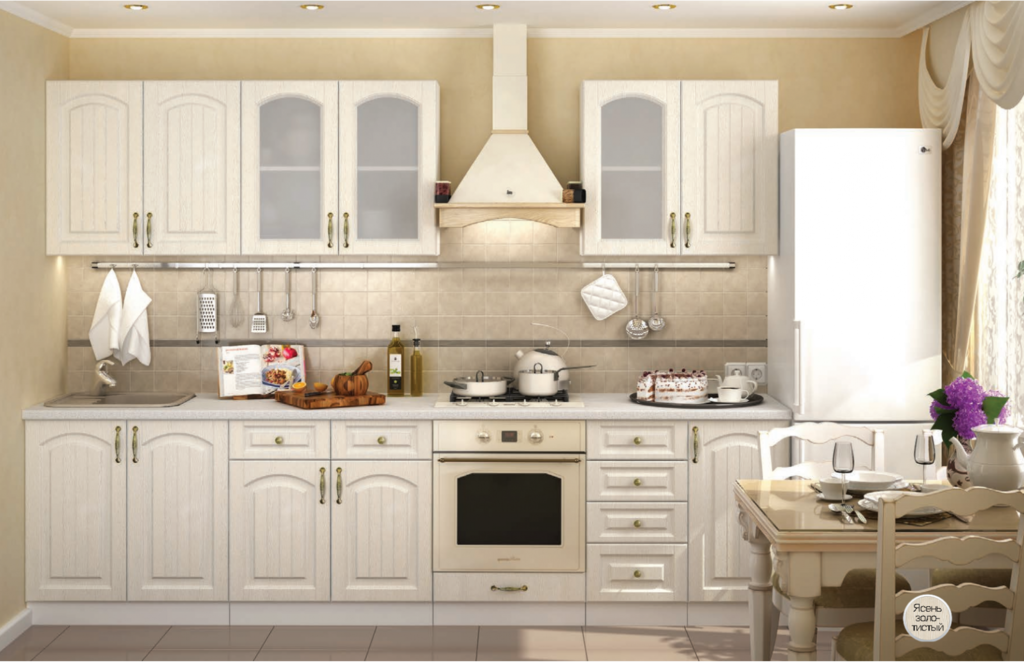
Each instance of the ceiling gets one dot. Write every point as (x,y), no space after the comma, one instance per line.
(455,18)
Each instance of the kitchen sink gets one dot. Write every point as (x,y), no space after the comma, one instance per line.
(142,399)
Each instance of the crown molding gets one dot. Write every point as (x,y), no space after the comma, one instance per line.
(32,16)
(711,33)
(943,10)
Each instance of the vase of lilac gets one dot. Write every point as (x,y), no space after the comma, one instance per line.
(957,410)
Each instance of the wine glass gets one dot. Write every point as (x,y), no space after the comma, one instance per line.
(924,453)
(842,462)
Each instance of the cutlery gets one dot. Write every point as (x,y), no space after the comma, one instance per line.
(853,512)
(656,323)
(838,508)
(237,316)
(314,319)
(636,328)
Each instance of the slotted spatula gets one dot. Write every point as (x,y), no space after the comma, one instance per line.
(259,319)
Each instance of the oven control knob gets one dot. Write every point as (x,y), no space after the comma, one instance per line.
(536,436)
(483,436)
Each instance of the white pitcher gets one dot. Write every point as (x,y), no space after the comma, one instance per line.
(996,461)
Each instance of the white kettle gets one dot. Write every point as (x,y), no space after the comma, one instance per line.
(996,461)
(546,357)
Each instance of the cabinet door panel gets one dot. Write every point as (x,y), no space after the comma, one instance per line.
(178,512)
(93,168)
(381,531)
(730,167)
(75,510)
(192,170)
(636,572)
(280,531)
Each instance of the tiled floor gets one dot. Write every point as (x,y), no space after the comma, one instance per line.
(388,643)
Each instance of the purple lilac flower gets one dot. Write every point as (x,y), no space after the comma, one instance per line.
(936,409)
(967,418)
(1005,412)
(964,393)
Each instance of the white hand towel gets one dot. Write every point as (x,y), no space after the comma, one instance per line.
(106,321)
(134,335)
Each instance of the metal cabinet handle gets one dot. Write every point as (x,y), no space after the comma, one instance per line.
(149,230)
(696,443)
(346,229)
(323,485)
(135,229)
(382,440)
(495,588)
(135,444)
(638,440)
(637,574)
(330,230)
(278,440)
(686,230)
(338,488)
(637,524)
(672,216)
(117,444)
(637,482)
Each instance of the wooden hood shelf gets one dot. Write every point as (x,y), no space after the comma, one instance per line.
(460,215)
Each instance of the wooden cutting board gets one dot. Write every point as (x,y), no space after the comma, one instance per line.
(328,400)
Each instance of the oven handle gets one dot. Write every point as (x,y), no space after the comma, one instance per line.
(508,460)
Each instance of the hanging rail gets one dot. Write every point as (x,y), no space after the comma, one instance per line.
(323,266)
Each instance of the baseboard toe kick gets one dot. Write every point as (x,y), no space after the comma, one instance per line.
(14,627)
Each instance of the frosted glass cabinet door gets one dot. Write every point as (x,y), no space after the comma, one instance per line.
(630,167)
(389,163)
(290,167)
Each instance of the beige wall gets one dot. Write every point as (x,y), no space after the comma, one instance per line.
(34,290)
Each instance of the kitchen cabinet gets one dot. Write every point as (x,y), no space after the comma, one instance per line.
(94,168)
(280,530)
(381,530)
(636,572)
(280,440)
(393,440)
(680,167)
(389,163)
(290,167)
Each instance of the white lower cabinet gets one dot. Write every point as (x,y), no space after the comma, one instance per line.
(381,530)
(636,522)
(636,572)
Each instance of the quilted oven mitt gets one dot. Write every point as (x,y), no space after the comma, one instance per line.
(604,297)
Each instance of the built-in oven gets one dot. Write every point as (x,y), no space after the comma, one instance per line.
(509,496)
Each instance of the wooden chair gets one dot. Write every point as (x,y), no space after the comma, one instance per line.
(886,639)
(854,600)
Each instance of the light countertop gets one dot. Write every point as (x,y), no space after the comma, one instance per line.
(597,407)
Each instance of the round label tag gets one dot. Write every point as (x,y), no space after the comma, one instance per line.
(927,618)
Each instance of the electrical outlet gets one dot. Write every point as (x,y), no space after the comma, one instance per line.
(735,368)
(758,371)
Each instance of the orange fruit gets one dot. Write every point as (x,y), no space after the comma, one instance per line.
(299,386)
(319,386)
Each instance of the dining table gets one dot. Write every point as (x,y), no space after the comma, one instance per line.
(793,533)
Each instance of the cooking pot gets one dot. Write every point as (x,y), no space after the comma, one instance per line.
(541,382)
(479,386)
(546,357)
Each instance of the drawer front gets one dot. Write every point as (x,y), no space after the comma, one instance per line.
(636,572)
(637,481)
(636,522)
(381,439)
(280,440)
(508,587)
(638,440)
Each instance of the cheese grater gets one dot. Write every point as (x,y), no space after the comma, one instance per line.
(259,319)
(206,310)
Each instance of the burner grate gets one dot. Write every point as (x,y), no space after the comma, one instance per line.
(512,396)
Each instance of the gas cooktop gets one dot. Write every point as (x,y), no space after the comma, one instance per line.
(512,398)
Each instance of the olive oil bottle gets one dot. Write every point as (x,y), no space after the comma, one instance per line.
(416,368)
(396,363)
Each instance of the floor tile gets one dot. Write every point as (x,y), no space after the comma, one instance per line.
(636,637)
(215,637)
(511,638)
(528,654)
(426,638)
(202,655)
(724,654)
(409,655)
(641,655)
(310,655)
(125,638)
(92,655)
(30,643)
(320,637)
(719,637)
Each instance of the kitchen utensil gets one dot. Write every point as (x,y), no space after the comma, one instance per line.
(864,481)
(314,319)
(479,386)
(206,310)
(546,356)
(841,510)
(656,323)
(739,381)
(540,382)
(732,395)
(259,319)
(288,314)
(636,328)
(236,315)
(325,401)
(355,383)
(996,461)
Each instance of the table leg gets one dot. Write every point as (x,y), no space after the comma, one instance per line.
(764,621)
(803,630)
(803,587)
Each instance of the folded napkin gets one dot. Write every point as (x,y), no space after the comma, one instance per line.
(134,332)
(104,333)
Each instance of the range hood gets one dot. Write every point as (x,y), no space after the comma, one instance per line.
(509,178)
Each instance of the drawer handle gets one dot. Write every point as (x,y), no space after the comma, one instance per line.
(637,524)
(696,444)
(638,440)
(637,574)
(323,485)
(495,588)
(278,440)
(637,482)
(135,444)
(117,444)
(338,471)
(382,440)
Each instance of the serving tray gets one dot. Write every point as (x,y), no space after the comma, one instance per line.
(753,399)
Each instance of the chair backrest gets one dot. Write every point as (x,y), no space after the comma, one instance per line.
(890,604)
(938,470)
(819,433)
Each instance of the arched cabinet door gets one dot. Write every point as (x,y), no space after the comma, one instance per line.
(629,156)
(290,167)
(389,164)
(75,510)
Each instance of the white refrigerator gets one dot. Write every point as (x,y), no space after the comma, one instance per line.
(854,302)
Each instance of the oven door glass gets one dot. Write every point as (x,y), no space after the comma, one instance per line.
(509,510)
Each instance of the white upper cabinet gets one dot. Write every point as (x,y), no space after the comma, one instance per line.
(94,168)
(290,167)
(389,163)
(680,168)
(629,159)
(730,167)
(192,178)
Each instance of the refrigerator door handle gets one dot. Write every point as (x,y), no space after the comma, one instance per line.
(798,366)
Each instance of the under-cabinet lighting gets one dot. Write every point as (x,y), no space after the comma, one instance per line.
(664,7)
(488,7)
(843,6)
(136,8)
(312,8)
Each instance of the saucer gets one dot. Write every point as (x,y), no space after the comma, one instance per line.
(822,498)
(715,399)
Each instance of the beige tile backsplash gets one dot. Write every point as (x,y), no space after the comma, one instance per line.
(470,305)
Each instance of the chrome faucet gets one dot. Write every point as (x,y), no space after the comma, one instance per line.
(103,379)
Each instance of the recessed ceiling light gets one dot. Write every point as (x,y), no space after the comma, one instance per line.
(312,8)
(488,8)
(136,8)
(664,7)
(841,7)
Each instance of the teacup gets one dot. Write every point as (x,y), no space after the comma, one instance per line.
(732,395)
(831,489)
(738,381)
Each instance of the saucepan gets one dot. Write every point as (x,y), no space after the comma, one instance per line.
(539,381)
(479,386)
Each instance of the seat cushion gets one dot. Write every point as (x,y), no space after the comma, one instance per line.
(857,643)
(857,590)
(984,577)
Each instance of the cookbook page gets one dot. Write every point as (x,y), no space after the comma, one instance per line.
(283,366)
(239,371)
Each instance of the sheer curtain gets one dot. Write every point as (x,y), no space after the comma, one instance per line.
(999,322)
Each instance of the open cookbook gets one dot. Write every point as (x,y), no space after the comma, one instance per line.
(259,370)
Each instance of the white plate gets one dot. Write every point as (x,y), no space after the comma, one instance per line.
(822,498)
(864,481)
(869,504)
